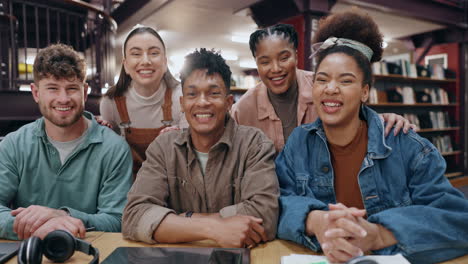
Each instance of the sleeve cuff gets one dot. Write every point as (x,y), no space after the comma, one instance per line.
(228,211)
(76,214)
(6,227)
(312,243)
(149,222)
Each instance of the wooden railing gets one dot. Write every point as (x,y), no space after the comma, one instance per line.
(27,26)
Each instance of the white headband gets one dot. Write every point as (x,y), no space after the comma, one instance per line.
(137,26)
(333,41)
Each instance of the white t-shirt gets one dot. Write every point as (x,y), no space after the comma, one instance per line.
(66,148)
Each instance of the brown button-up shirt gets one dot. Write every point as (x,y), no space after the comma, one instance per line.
(255,109)
(240,178)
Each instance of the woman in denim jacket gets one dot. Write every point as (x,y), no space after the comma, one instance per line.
(347,189)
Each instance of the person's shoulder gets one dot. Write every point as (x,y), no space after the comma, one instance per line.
(168,140)
(308,128)
(108,136)
(249,98)
(303,133)
(305,80)
(305,74)
(107,101)
(170,136)
(251,134)
(245,110)
(106,104)
(27,131)
(176,91)
(410,140)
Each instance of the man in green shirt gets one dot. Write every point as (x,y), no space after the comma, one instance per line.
(63,171)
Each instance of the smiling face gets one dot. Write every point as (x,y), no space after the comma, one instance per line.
(205,102)
(338,90)
(276,61)
(145,60)
(61,101)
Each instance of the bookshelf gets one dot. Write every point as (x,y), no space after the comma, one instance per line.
(237,92)
(433,105)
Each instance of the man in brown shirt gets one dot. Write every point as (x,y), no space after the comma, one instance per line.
(215,180)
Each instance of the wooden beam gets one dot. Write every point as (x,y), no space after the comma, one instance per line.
(420,9)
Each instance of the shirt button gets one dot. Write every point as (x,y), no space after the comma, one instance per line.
(325,169)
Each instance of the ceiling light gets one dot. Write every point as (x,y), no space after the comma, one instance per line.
(384,44)
(229,55)
(176,61)
(248,64)
(240,39)
(25,88)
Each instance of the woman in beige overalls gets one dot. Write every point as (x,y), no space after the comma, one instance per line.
(146,97)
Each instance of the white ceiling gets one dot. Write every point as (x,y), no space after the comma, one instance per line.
(188,24)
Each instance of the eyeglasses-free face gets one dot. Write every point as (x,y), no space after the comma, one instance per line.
(205,102)
(276,61)
(61,101)
(145,60)
(338,90)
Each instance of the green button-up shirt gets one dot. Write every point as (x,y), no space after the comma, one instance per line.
(92,183)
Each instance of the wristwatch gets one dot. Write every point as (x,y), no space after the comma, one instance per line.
(188,214)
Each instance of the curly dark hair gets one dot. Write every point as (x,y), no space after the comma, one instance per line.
(356,26)
(284,30)
(59,61)
(206,59)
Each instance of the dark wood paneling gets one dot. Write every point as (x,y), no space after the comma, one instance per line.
(22,107)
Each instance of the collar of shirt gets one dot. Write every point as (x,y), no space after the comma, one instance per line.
(376,146)
(226,139)
(92,132)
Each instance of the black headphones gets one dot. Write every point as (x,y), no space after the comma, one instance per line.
(58,246)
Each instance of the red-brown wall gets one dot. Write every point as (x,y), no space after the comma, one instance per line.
(298,23)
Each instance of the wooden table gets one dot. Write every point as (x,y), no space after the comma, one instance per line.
(269,253)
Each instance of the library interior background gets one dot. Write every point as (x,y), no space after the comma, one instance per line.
(423,74)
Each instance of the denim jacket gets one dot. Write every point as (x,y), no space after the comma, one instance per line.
(402,184)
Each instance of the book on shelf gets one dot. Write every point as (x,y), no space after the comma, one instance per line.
(408,95)
(405,68)
(439,96)
(399,67)
(413,119)
(442,143)
(428,120)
